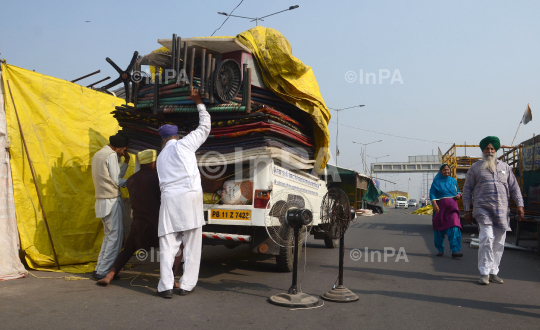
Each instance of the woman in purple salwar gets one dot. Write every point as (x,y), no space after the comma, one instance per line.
(444,194)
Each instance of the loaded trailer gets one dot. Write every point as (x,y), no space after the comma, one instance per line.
(264,138)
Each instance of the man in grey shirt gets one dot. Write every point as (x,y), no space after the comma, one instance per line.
(489,185)
(107,176)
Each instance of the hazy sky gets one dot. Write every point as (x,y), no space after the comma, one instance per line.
(468,68)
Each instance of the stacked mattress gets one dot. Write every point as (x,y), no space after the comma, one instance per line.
(268,127)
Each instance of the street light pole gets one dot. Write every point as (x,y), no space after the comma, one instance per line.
(257,19)
(377,159)
(365,144)
(337,136)
(337,130)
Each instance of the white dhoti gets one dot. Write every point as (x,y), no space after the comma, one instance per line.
(490,249)
(113,226)
(169,246)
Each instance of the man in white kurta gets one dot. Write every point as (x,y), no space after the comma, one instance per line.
(107,176)
(181,214)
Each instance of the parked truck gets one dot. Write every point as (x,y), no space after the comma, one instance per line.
(235,225)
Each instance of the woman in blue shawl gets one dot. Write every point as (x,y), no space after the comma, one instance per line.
(444,194)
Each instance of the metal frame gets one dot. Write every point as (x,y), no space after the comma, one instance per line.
(512,155)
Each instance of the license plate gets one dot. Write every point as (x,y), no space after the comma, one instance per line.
(230,215)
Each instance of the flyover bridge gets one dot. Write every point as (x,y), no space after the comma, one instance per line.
(416,164)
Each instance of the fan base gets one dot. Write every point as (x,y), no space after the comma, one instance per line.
(294,300)
(340,294)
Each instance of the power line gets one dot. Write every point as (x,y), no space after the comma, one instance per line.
(387,134)
(355,106)
(227,18)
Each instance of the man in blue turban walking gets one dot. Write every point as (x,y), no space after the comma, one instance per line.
(489,185)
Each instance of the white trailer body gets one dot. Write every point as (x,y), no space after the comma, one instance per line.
(233,225)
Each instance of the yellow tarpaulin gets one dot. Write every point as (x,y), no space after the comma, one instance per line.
(293,81)
(64,124)
(426,210)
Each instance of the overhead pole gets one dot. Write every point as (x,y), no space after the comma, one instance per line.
(364,144)
(517,132)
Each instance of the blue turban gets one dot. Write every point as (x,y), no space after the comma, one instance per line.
(168,130)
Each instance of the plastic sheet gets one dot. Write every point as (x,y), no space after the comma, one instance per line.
(426,210)
(10,264)
(64,124)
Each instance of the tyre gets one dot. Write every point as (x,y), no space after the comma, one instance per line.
(331,243)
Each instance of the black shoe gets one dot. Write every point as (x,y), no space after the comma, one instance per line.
(440,254)
(183,292)
(457,255)
(96,277)
(165,294)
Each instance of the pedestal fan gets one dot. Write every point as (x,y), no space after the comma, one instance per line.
(336,214)
(288,219)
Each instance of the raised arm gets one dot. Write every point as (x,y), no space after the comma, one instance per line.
(196,138)
(116,172)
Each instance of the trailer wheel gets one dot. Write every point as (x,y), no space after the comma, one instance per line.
(331,243)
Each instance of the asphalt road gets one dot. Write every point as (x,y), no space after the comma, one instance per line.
(423,292)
